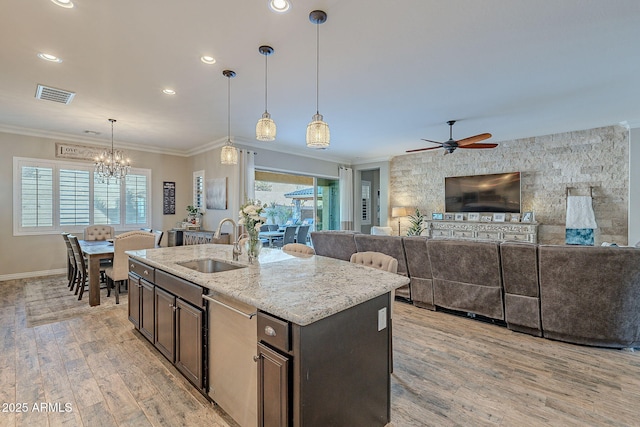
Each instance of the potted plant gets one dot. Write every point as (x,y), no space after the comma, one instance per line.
(194,214)
(416,220)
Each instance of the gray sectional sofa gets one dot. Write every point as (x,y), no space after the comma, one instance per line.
(576,294)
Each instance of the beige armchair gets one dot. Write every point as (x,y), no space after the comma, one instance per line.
(99,232)
(128,241)
(298,248)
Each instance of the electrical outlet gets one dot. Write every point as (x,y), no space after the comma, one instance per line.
(382,319)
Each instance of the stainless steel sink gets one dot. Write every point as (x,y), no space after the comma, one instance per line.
(210,265)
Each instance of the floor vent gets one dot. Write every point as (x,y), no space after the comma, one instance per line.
(53,94)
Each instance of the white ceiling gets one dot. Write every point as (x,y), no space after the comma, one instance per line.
(390,72)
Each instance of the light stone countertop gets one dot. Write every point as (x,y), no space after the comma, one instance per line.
(300,288)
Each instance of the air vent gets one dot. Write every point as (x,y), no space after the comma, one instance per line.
(55,95)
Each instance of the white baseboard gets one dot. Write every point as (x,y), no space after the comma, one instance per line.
(29,274)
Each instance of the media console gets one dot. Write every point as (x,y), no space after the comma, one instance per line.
(471,230)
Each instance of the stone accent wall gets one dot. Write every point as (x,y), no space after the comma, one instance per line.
(548,165)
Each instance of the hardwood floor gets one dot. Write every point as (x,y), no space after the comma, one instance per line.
(448,371)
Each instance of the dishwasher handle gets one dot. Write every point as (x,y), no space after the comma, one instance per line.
(235,310)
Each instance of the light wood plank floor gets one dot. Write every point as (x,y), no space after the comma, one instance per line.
(448,371)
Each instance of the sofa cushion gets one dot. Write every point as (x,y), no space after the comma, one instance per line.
(520,268)
(334,244)
(388,245)
(419,270)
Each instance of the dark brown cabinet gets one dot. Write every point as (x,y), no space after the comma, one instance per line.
(189,345)
(273,388)
(165,331)
(170,314)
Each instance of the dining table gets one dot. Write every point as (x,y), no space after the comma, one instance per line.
(271,236)
(94,251)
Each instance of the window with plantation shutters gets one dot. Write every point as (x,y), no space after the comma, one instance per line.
(52,196)
(198,190)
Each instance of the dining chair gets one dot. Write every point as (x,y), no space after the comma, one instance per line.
(158,236)
(288,237)
(301,236)
(81,274)
(298,248)
(99,232)
(129,241)
(71,260)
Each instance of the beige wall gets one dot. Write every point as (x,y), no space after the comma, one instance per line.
(22,256)
(549,164)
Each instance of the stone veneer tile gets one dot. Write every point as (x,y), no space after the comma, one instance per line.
(548,164)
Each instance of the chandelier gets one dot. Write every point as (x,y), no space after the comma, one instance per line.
(112,164)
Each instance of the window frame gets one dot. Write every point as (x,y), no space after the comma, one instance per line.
(56,166)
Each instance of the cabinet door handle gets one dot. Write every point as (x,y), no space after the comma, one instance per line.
(146,273)
(256,359)
(132,266)
(235,310)
(268,330)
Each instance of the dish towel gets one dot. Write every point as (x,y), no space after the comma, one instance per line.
(581,221)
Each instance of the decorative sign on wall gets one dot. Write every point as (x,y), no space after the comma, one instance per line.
(168,198)
(217,193)
(78,152)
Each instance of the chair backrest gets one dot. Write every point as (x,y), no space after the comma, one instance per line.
(289,234)
(376,260)
(301,237)
(70,254)
(99,232)
(298,248)
(158,236)
(129,241)
(77,253)
(264,227)
(272,227)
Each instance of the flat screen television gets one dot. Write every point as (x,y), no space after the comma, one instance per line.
(498,192)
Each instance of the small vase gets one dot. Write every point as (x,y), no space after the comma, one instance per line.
(253,246)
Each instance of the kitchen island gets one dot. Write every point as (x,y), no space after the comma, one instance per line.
(308,335)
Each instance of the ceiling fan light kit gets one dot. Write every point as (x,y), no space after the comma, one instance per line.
(451,145)
(318,135)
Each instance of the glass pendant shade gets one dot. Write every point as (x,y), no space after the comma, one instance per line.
(229,154)
(318,135)
(266,128)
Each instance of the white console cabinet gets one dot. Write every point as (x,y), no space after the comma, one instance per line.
(500,231)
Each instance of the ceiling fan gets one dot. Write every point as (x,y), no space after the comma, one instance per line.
(450,145)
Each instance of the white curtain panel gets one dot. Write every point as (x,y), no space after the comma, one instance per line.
(246,178)
(346,198)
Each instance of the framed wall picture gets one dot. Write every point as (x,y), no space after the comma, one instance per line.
(527,217)
(168,198)
(437,216)
(473,216)
(216,193)
(459,217)
(486,218)
(448,217)
(499,217)
(515,217)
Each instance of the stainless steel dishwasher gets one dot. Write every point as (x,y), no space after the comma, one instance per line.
(232,347)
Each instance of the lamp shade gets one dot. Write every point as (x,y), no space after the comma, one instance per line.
(229,155)
(266,128)
(399,211)
(318,135)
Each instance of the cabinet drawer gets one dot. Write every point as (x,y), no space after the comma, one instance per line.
(440,233)
(467,234)
(273,331)
(516,236)
(180,287)
(142,270)
(489,235)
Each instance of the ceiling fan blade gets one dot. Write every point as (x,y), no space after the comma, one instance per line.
(479,146)
(422,149)
(435,142)
(473,139)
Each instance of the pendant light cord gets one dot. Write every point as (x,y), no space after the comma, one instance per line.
(228,109)
(265,83)
(317,66)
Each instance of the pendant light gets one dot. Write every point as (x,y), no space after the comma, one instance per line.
(318,135)
(265,128)
(229,153)
(111,164)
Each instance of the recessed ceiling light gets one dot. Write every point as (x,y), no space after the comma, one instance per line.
(280,6)
(63,3)
(208,59)
(168,91)
(49,57)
